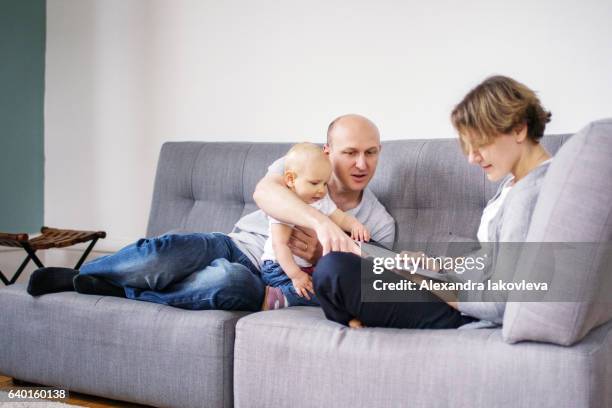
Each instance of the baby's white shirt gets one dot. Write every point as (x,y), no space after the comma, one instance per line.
(325,205)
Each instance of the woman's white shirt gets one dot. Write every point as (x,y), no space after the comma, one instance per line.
(490,211)
(492,208)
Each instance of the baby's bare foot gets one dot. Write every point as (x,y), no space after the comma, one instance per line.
(356,324)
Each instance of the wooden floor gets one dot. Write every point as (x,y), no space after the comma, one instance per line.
(81,400)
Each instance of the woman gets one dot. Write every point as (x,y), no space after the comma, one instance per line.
(500,123)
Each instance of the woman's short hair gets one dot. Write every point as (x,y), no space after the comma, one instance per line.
(497,106)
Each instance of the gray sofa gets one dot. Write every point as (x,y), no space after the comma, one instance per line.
(162,356)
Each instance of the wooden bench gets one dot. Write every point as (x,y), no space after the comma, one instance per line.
(49,238)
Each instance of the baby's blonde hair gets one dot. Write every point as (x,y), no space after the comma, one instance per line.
(303,153)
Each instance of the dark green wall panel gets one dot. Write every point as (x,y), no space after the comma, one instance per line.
(22,85)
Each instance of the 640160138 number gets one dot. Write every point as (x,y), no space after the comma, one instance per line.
(23,394)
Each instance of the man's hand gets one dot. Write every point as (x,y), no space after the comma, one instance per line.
(303,243)
(360,233)
(303,284)
(332,238)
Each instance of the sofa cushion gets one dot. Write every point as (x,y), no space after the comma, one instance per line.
(574,206)
(428,186)
(295,355)
(207,187)
(118,348)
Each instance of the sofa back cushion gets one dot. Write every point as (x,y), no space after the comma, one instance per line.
(426,185)
(207,187)
(574,206)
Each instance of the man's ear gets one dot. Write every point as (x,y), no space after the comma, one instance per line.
(290,179)
(326,148)
(520,133)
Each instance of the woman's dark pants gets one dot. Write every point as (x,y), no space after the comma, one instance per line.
(337,281)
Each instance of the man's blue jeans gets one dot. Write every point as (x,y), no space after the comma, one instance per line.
(192,271)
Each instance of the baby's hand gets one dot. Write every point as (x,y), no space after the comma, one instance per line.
(359,232)
(303,285)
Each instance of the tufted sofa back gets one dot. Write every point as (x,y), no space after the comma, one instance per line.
(426,185)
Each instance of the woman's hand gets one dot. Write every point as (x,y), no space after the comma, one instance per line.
(303,243)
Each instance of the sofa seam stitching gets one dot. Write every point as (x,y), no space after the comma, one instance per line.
(415,184)
(242,176)
(195,159)
(224,366)
(567,349)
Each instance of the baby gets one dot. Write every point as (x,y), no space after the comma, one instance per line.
(288,277)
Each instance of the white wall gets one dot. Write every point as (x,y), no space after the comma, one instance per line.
(123,76)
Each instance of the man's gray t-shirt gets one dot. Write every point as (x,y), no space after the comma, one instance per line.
(251,231)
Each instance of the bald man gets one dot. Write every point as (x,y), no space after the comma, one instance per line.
(203,271)
(353,146)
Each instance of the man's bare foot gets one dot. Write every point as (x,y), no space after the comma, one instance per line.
(356,324)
